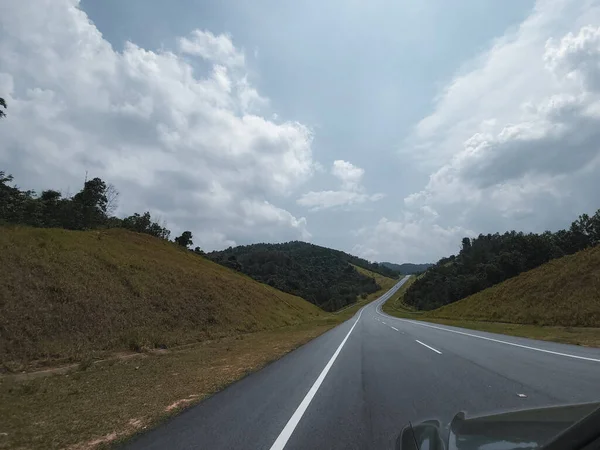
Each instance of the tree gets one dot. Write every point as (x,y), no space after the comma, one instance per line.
(112,199)
(51,207)
(185,240)
(3,104)
(144,224)
(466,244)
(91,204)
(323,276)
(6,195)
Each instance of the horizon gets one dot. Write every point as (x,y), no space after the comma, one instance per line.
(386,131)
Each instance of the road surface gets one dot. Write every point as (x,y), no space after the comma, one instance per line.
(357,385)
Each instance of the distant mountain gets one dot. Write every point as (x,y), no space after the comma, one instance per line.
(321,275)
(407,268)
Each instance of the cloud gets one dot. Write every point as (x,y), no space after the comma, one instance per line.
(351,193)
(348,173)
(331,199)
(180,133)
(418,239)
(513,143)
(219,49)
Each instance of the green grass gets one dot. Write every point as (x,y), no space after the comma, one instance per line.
(395,306)
(96,310)
(110,401)
(558,301)
(384,282)
(69,295)
(562,292)
(585,336)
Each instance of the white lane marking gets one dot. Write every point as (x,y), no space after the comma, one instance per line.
(383,322)
(290,426)
(430,348)
(394,328)
(508,343)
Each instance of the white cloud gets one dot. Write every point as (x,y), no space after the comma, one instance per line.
(189,145)
(348,174)
(514,142)
(414,239)
(490,91)
(351,193)
(331,199)
(218,48)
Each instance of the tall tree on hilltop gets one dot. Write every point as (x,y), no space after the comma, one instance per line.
(91,204)
(185,240)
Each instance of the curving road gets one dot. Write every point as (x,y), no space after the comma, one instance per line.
(356,386)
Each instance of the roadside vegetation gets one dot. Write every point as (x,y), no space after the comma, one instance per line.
(562,292)
(490,259)
(385,283)
(396,302)
(328,278)
(558,301)
(323,276)
(66,294)
(95,404)
(107,332)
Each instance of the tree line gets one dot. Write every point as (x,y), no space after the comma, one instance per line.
(90,208)
(492,258)
(321,275)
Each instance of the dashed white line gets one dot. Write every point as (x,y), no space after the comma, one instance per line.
(430,348)
(508,343)
(290,426)
(394,328)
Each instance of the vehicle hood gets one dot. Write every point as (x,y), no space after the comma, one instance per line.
(523,429)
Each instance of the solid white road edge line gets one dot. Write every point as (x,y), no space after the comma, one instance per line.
(507,343)
(430,348)
(290,426)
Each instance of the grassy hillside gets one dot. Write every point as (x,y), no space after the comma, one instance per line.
(564,291)
(326,277)
(64,294)
(396,302)
(384,283)
(490,259)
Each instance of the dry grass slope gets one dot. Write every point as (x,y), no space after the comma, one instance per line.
(386,283)
(563,292)
(65,295)
(395,305)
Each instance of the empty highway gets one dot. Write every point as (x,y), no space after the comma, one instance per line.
(357,385)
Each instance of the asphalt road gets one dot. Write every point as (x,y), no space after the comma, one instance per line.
(357,385)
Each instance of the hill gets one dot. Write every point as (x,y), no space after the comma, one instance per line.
(565,292)
(385,283)
(321,275)
(407,268)
(489,259)
(66,293)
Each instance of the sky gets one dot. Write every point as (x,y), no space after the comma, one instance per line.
(387,129)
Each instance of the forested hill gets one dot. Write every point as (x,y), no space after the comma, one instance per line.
(490,259)
(320,275)
(407,268)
